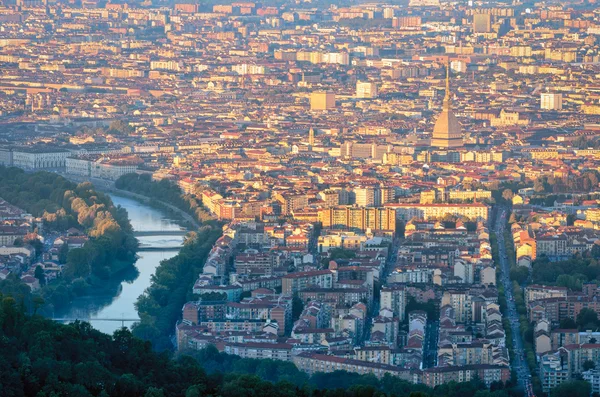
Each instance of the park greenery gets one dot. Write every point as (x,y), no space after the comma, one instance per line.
(164,191)
(587,319)
(570,273)
(42,358)
(62,204)
(159,307)
(329,384)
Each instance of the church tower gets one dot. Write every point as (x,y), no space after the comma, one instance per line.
(311,138)
(447,133)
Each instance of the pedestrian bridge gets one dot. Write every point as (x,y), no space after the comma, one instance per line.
(143,233)
(73,319)
(166,248)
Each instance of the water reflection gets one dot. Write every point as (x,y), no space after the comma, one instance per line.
(121,304)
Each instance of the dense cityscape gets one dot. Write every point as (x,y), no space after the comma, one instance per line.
(396,199)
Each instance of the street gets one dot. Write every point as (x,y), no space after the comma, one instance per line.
(519,364)
(430,345)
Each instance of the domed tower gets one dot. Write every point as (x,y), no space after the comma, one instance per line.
(447,133)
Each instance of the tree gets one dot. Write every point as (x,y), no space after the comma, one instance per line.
(39,274)
(119,127)
(18,242)
(37,245)
(595,252)
(538,187)
(77,360)
(588,364)
(568,323)
(77,263)
(62,253)
(576,388)
(297,307)
(154,392)
(587,318)
(519,274)
(213,296)
(38,302)
(508,195)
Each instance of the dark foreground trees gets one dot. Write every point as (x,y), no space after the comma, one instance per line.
(39,357)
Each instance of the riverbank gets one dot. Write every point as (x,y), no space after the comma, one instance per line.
(104,250)
(160,305)
(109,187)
(186,219)
(118,299)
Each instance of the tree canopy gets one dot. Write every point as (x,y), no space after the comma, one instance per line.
(39,357)
(63,204)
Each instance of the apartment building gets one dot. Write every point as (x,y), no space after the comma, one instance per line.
(261,350)
(406,212)
(314,362)
(535,292)
(433,377)
(361,219)
(295,282)
(394,297)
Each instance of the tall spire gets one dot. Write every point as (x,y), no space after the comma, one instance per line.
(447,133)
(447,99)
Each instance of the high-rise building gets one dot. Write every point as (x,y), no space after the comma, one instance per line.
(447,132)
(482,23)
(406,22)
(366,89)
(549,101)
(365,196)
(322,100)
(357,218)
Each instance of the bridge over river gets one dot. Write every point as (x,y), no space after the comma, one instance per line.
(121,320)
(143,233)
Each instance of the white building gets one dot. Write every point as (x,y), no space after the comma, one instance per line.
(550,101)
(393,298)
(593,377)
(166,65)
(459,66)
(464,270)
(112,170)
(411,276)
(6,157)
(100,167)
(364,196)
(77,166)
(366,89)
(245,69)
(37,158)
(340,58)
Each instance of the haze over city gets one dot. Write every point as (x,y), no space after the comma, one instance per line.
(299,198)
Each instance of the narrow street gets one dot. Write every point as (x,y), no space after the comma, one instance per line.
(518,362)
(430,345)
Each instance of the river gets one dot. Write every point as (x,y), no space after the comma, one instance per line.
(101,311)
